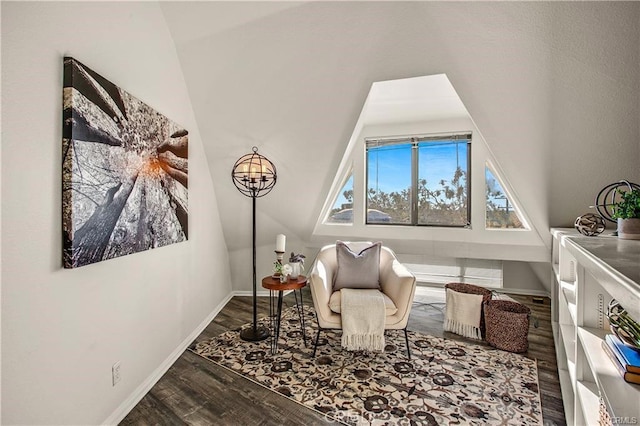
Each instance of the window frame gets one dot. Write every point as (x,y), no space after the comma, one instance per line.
(415,141)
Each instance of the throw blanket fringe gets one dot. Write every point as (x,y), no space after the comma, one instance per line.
(462,314)
(363,342)
(363,317)
(466,330)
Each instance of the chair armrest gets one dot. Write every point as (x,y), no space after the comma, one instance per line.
(321,285)
(397,282)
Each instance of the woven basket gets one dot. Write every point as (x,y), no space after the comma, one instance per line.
(507,325)
(473,289)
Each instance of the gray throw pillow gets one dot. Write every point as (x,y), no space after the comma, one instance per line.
(357,270)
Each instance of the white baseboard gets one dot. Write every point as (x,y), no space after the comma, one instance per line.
(524,292)
(121,412)
(262,293)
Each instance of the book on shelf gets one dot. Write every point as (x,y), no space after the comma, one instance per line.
(627,376)
(628,356)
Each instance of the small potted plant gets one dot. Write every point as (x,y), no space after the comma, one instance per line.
(277,269)
(627,212)
(296,261)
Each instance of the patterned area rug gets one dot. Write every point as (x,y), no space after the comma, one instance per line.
(445,382)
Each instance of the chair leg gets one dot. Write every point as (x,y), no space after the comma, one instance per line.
(315,345)
(406,339)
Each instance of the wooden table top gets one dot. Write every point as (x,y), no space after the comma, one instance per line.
(275,284)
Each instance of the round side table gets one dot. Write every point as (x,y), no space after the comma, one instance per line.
(275,304)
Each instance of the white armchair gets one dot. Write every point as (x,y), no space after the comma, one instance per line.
(396,283)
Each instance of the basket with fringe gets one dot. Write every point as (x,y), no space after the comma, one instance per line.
(507,325)
(473,289)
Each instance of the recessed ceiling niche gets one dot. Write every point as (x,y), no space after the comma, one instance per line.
(418,99)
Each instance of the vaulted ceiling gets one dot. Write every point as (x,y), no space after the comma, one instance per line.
(553,86)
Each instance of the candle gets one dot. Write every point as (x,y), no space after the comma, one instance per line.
(280,242)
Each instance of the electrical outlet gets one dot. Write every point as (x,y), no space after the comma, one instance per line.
(115,373)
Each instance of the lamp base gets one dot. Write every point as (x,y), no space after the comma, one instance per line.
(254,335)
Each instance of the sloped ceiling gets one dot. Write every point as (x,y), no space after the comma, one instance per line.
(552,86)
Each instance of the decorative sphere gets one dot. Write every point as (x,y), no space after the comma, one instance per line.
(610,195)
(254,175)
(590,224)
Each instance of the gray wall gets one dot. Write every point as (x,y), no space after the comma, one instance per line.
(62,330)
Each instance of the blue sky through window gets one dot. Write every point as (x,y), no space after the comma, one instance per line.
(341,200)
(389,167)
(496,193)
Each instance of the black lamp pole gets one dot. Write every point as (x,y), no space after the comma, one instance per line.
(254,176)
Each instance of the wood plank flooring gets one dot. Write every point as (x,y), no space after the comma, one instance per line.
(195,391)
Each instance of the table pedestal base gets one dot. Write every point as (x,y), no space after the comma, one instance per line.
(254,335)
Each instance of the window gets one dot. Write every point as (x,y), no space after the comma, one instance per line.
(342,210)
(501,212)
(419,180)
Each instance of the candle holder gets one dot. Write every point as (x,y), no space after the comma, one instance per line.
(279,256)
(277,265)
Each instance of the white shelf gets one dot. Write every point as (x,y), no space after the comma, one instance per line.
(569,340)
(569,294)
(568,400)
(622,398)
(556,270)
(587,273)
(589,401)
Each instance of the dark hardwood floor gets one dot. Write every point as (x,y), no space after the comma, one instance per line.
(195,391)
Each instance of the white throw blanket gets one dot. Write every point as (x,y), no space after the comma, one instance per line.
(463,314)
(363,316)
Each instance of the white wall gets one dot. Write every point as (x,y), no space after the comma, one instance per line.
(593,103)
(521,277)
(63,329)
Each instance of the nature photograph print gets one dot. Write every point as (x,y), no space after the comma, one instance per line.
(124,172)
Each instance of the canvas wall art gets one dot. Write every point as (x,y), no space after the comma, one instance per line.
(124,172)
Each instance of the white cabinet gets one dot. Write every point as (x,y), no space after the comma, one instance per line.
(587,273)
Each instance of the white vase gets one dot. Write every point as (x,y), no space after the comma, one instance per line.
(295,270)
(629,229)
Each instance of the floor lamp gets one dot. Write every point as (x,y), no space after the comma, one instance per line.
(254,176)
